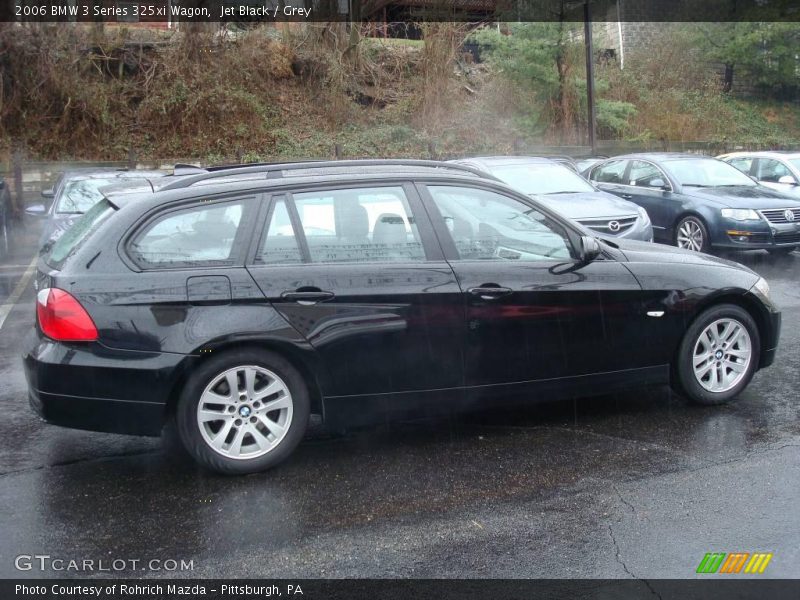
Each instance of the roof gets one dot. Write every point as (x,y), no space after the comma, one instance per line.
(108,173)
(284,175)
(659,156)
(508,160)
(763,153)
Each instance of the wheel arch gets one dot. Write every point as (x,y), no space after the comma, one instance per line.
(307,366)
(745,302)
(690,212)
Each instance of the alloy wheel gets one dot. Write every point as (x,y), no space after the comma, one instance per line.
(245,412)
(722,355)
(690,235)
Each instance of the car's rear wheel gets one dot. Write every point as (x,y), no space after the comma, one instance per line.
(692,234)
(243,412)
(718,355)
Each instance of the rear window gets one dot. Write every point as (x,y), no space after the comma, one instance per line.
(80,195)
(77,233)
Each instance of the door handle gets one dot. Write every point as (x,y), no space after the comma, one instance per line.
(627,196)
(490,292)
(307,298)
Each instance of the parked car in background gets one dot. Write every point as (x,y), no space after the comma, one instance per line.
(568,193)
(701,203)
(777,170)
(75,192)
(240,301)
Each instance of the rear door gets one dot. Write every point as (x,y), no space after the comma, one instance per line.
(531,315)
(358,272)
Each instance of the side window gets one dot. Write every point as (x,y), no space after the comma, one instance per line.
(280,245)
(645,174)
(610,172)
(359,225)
(205,234)
(486,225)
(771,170)
(743,163)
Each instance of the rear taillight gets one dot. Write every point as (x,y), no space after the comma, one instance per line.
(62,317)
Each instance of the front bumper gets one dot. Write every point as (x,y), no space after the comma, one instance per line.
(757,235)
(89,386)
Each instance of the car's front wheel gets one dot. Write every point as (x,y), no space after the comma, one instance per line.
(718,355)
(692,234)
(243,412)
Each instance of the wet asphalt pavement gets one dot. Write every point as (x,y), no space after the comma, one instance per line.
(635,485)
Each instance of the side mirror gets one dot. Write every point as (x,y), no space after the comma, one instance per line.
(36,210)
(48,193)
(659,183)
(590,248)
(787,180)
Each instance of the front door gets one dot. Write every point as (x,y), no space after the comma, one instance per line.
(648,187)
(359,274)
(531,315)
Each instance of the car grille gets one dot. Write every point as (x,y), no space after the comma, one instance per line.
(606,225)
(788,237)
(759,238)
(778,215)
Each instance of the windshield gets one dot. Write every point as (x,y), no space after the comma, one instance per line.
(79,195)
(73,237)
(795,162)
(707,172)
(542,178)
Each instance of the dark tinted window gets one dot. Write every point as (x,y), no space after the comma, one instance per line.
(771,170)
(207,234)
(77,233)
(486,225)
(743,163)
(359,225)
(280,244)
(610,172)
(645,174)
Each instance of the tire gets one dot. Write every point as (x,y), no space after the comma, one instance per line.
(692,234)
(242,416)
(781,251)
(699,387)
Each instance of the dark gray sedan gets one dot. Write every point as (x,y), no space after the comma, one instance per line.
(75,192)
(701,203)
(568,193)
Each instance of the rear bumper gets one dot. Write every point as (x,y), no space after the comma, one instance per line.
(88,386)
(98,414)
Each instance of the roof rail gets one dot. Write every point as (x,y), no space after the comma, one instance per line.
(277,168)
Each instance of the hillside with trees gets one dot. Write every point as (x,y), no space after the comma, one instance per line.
(293,91)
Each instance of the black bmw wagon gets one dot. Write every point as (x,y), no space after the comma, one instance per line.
(243,301)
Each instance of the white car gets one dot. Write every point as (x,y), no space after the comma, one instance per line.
(777,170)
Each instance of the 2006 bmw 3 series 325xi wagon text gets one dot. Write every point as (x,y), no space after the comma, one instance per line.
(242,301)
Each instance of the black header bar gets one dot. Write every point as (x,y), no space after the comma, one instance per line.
(168,12)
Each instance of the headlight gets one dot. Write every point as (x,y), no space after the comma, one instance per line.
(645,217)
(740,214)
(762,287)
